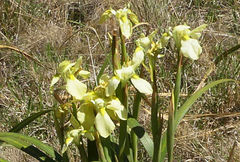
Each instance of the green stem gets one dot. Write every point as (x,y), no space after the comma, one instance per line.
(124,49)
(104,66)
(178,82)
(123,126)
(154,116)
(123,137)
(107,148)
(136,108)
(82,152)
(115,53)
(60,133)
(134,137)
(173,109)
(170,130)
(59,126)
(100,148)
(92,151)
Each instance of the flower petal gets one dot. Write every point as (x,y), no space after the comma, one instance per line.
(106,15)
(84,74)
(190,48)
(138,57)
(64,66)
(125,73)
(76,88)
(104,124)
(55,79)
(124,22)
(112,86)
(178,33)
(77,65)
(86,116)
(196,33)
(115,104)
(142,85)
(133,17)
(122,114)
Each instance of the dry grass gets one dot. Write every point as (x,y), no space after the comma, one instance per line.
(42,30)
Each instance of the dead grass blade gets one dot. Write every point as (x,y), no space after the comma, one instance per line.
(26,55)
(203,133)
(230,159)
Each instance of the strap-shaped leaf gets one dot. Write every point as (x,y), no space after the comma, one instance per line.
(31,146)
(170,129)
(28,120)
(3,160)
(184,109)
(142,135)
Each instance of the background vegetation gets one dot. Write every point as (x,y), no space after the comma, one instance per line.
(53,30)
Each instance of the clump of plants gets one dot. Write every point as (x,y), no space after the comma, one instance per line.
(89,118)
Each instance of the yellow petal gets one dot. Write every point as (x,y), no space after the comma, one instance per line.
(104,124)
(142,85)
(190,48)
(178,33)
(106,15)
(86,116)
(125,73)
(196,33)
(112,86)
(138,57)
(76,88)
(85,74)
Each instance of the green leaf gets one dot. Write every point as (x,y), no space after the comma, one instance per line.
(226,53)
(28,120)
(92,151)
(3,160)
(142,135)
(170,129)
(104,124)
(184,109)
(76,88)
(107,148)
(142,85)
(104,66)
(31,146)
(74,122)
